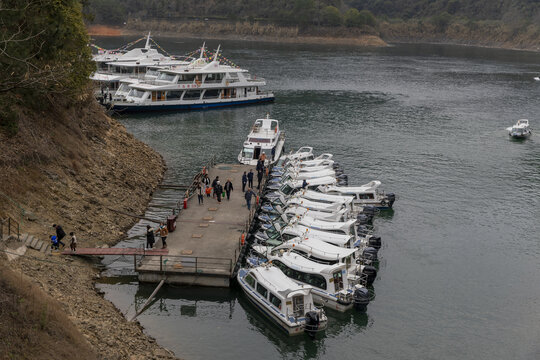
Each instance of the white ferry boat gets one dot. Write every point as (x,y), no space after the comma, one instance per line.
(199,85)
(115,66)
(520,130)
(285,302)
(265,138)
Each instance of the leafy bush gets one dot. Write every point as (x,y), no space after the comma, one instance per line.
(331,16)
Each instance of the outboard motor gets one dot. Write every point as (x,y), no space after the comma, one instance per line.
(370,253)
(338,172)
(391,198)
(371,274)
(362,230)
(336,166)
(343,177)
(312,323)
(362,219)
(375,242)
(361,298)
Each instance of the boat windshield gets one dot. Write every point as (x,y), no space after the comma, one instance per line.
(247,153)
(151,72)
(286,189)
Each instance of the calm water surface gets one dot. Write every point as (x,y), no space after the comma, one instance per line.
(460,270)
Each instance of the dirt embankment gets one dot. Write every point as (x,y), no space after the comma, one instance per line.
(70,165)
(487,34)
(482,33)
(243,31)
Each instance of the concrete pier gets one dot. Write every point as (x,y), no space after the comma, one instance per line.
(204,248)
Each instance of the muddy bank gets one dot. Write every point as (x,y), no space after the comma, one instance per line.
(240,31)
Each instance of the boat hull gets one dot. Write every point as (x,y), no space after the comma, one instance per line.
(129,108)
(321,298)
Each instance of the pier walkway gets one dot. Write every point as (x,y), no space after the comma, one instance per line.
(204,248)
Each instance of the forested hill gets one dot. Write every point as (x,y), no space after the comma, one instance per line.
(315,12)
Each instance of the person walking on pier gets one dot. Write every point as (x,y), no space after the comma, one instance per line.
(163,232)
(218,190)
(200,194)
(244,182)
(60,234)
(250,178)
(206,182)
(248,195)
(73,242)
(150,239)
(214,183)
(228,188)
(259,178)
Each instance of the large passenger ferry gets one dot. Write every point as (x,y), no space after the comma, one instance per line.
(203,83)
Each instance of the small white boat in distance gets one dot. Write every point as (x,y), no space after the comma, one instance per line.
(286,303)
(520,130)
(265,138)
(537,78)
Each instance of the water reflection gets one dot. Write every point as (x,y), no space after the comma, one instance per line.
(220,304)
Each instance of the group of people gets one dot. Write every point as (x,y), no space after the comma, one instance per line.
(56,240)
(151,233)
(216,189)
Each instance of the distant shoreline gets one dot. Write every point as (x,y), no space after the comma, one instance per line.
(361,40)
(367,40)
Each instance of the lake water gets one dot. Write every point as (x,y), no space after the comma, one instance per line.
(460,271)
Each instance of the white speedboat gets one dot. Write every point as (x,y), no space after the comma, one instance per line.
(203,83)
(287,303)
(265,138)
(331,286)
(367,194)
(325,253)
(520,130)
(304,153)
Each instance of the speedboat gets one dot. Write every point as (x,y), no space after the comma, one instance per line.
(304,153)
(287,303)
(520,130)
(367,194)
(322,252)
(331,286)
(265,138)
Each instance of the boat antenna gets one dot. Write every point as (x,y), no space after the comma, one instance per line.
(147,46)
(217,52)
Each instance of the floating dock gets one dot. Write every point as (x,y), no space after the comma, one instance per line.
(208,241)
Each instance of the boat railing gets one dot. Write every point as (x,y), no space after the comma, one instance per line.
(255,79)
(213,81)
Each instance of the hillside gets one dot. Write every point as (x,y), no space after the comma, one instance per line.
(63,161)
(504,23)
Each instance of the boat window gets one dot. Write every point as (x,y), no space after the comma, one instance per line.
(275,300)
(366,196)
(211,94)
(298,305)
(214,78)
(287,237)
(174,95)
(186,78)
(136,93)
(315,280)
(338,280)
(166,77)
(152,72)
(250,280)
(262,290)
(247,153)
(192,95)
(123,87)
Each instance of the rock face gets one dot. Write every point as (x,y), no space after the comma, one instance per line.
(71,165)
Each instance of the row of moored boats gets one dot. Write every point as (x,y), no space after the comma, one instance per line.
(313,245)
